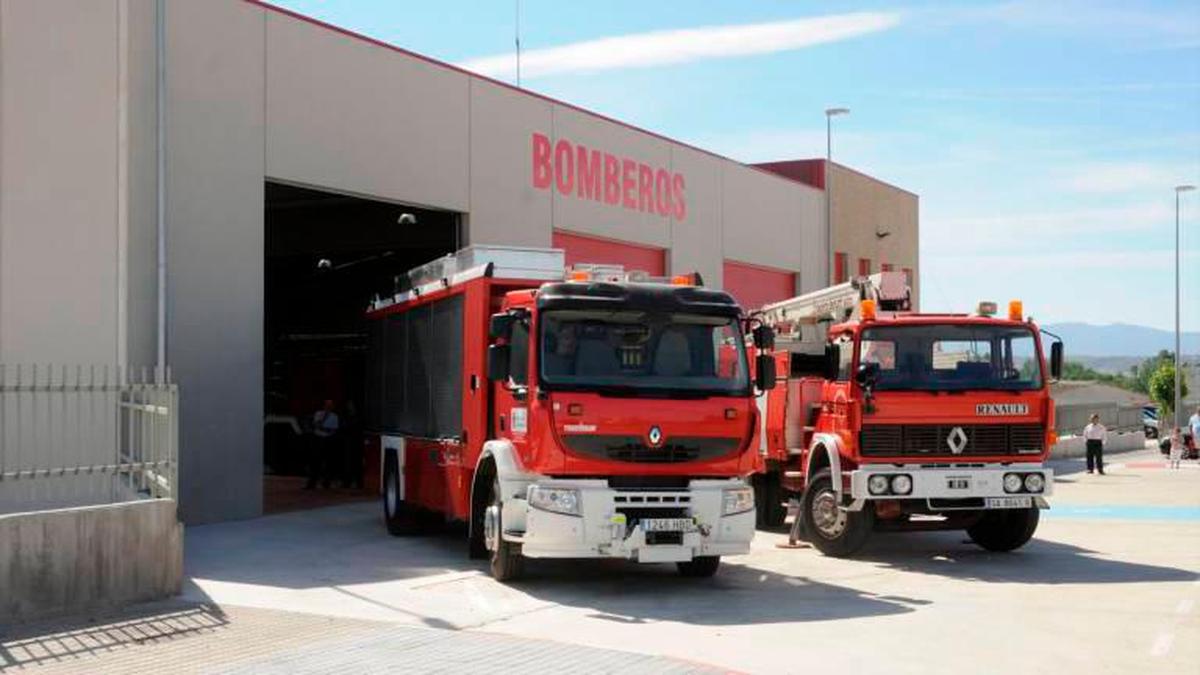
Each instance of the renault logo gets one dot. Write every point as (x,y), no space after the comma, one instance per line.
(655,436)
(957,440)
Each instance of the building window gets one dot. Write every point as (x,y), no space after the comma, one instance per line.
(841,263)
(864,267)
(886,267)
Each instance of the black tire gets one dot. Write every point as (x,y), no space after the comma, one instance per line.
(770,512)
(1005,530)
(401,519)
(702,567)
(506,563)
(481,498)
(846,533)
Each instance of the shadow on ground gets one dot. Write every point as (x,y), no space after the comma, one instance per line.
(69,639)
(951,554)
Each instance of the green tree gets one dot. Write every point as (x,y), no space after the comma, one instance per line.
(1162,389)
(1143,373)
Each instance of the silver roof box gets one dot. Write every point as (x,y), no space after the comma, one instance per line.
(508,262)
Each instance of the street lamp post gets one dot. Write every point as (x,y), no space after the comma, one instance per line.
(1179,189)
(830,113)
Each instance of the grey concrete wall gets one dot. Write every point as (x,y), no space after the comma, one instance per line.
(72,560)
(215,169)
(1076,446)
(59,228)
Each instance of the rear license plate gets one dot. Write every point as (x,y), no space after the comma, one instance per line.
(668,525)
(1008,502)
(958,483)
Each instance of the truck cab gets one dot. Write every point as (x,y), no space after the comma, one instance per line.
(623,417)
(907,421)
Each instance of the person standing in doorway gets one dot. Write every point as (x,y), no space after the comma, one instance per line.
(1094,434)
(324,452)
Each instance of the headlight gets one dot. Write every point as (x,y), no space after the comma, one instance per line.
(558,500)
(1034,482)
(1012,482)
(902,484)
(878,484)
(737,500)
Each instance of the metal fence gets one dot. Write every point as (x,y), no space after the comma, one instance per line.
(1070,419)
(85,435)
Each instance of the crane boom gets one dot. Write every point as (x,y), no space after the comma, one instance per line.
(837,303)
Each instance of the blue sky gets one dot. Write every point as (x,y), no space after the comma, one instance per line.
(1044,139)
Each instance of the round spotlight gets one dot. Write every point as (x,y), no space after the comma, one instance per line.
(902,484)
(324,264)
(406,219)
(1012,482)
(877,484)
(1035,482)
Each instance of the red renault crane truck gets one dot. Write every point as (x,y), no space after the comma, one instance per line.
(566,413)
(894,420)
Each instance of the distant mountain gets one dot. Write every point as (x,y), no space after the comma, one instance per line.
(1119,339)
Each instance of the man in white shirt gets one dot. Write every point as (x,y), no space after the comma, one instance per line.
(1095,433)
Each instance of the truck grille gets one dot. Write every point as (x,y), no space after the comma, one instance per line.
(894,440)
(633,449)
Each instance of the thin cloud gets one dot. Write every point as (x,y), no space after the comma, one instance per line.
(1121,177)
(668,47)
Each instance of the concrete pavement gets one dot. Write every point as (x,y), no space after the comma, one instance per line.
(1110,584)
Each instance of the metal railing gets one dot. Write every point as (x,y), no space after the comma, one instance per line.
(85,435)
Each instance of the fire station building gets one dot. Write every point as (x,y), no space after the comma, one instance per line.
(293,170)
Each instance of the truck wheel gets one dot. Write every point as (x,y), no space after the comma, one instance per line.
(832,530)
(400,518)
(770,511)
(1005,530)
(507,563)
(704,566)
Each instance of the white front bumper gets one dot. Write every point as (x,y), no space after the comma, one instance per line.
(946,483)
(606,527)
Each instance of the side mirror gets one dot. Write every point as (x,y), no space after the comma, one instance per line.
(867,374)
(764,337)
(764,372)
(501,324)
(497,362)
(833,361)
(1056,360)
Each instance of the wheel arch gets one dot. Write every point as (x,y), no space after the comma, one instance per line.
(825,453)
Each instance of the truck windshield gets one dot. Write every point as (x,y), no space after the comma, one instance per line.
(952,357)
(635,352)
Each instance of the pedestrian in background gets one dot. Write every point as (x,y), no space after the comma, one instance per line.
(325,426)
(1194,425)
(1095,434)
(1176,447)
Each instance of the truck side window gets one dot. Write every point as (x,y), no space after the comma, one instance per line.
(845,358)
(519,353)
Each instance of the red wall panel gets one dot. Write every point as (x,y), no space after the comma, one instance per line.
(753,286)
(583,249)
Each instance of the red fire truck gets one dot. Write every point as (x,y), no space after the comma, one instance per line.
(582,413)
(897,420)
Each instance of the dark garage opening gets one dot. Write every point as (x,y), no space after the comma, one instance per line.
(327,256)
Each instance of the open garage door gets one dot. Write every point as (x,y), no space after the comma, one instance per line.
(327,255)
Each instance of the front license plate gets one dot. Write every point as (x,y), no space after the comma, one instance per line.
(668,525)
(1008,502)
